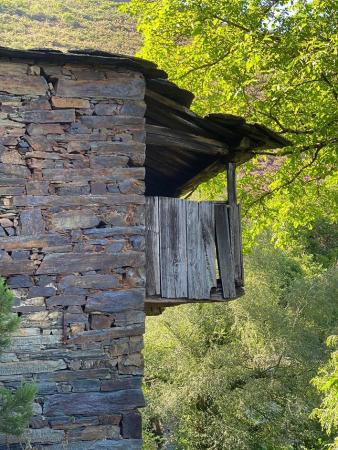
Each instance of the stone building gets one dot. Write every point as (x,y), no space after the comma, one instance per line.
(95,151)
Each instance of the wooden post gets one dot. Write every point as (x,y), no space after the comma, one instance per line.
(235,224)
(231,183)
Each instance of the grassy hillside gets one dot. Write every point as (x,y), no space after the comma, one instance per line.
(67,24)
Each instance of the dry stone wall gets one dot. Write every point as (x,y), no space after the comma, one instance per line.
(72,150)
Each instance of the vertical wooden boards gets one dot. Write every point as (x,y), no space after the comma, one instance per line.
(236,243)
(185,239)
(201,254)
(153,246)
(194,252)
(173,248)
(208,259)
(224,251)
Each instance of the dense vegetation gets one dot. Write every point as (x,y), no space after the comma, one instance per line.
(237,375)
(16,408)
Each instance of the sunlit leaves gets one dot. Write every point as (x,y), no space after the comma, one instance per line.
(274,62)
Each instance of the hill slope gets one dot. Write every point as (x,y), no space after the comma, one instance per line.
(67,24)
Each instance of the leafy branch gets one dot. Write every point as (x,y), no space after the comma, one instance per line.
(290,180)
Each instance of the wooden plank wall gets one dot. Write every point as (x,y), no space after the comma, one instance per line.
(186,243)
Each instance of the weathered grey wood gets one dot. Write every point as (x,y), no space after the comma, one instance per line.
(224,250)
(153,246)
(196,280)
(207,221)
(236,242)
(156,135)
(173,251)
(231,183)
(201,254)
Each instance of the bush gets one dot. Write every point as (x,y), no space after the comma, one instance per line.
(237,375)
(16,408)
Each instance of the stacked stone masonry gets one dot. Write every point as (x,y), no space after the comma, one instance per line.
(72,151)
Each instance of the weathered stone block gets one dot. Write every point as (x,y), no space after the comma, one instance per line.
(93,433)
(110,302)
(31,367)
(19,281)
(111,121)
(71,220)
(43,116)
(62,102)
(123,444)
(38,129)
(32,223)
(91,281)
(93,403)
(126,85)
(132,425)
(65,263)
(23,84)
(65,300)
(86,385)
(42,436)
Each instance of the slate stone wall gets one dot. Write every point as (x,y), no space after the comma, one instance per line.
(72,149)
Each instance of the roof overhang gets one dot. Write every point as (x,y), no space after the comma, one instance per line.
(183,149)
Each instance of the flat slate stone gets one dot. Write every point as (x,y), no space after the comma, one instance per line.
(40,436)
(77,200)
(43,116)
(123,444)
(67,263)
(28,242)
(71,220)
(19,281)
(16,267)
(121,85)
(93,403)
(90,281)
(83,338)
(111,121)
(20,368)
(23,85)
(63,102)
(111,302)
(32,223)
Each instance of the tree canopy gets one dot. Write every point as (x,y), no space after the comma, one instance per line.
(274,62)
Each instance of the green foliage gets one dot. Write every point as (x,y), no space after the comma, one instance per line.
(237,375)
(16,408)
(8,321)
(327,384)
(67,24)
(274,62)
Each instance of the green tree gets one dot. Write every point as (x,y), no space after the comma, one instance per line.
(327,383)
(274,62)
(237,375)
(16,408)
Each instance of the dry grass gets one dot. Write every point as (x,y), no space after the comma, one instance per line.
(67,24)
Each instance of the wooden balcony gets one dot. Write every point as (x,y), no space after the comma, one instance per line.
(193,252)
